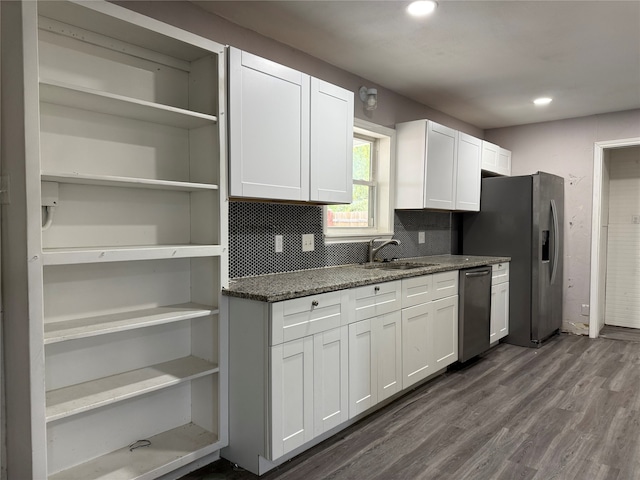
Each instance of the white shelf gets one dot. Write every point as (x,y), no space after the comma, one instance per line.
(55,332)
(72,256)
(86,396)
(168,450)
(73,96)
(126,182)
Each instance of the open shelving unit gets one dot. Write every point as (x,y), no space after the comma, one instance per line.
(123,338)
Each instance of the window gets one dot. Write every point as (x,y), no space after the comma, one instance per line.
(370,214)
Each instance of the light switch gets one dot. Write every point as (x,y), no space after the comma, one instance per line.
(420,237)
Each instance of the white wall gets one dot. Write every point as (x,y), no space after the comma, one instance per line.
(623,253)
(565,148)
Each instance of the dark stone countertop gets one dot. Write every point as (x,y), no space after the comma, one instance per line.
(285,286)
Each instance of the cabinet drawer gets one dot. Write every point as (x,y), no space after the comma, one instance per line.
(445,284)
(417,290)
(377,299)
(499,273)
(304,316)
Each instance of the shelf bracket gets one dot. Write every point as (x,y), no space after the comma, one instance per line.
(4,190)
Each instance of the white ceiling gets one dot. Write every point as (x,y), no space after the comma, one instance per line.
(482,62)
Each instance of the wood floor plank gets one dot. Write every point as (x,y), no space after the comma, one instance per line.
(569,410)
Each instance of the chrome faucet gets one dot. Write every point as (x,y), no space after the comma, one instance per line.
(373,251)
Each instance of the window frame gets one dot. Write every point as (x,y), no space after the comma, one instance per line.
(383,167)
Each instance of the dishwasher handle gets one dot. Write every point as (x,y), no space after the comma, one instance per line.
(477,274)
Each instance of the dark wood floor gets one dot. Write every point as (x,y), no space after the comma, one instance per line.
(570,410)
(620,333)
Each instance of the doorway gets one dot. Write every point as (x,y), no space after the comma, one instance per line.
(600,227)
(622,301)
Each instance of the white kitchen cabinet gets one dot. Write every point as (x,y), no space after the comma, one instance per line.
(290,363)
(375,361)
(388,342)
(307,367)
(504,161)
(429,329)
(115,333)
(268,129)
(499,302)
(444,332)
(495,159)
(417,361)
(437,167)
(292,406)
(291,136)
(331,161)
(363,367)
(330,379)
(468,173)
(377,299)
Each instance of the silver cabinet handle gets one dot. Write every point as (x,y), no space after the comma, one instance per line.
(314,303)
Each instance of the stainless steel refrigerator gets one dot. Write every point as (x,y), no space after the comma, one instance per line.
(522,217)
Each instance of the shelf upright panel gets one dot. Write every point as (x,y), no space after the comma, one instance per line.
(21,261)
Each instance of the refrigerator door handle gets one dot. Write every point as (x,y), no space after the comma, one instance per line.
(556,239)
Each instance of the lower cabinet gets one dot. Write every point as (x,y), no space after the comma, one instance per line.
(430,329)
(499,312)
(444,333)
(375,361)
(309,388)
(330,379)
(291,395)
(499,302)
(304,367)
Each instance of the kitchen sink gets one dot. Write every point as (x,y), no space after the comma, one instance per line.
(396,265)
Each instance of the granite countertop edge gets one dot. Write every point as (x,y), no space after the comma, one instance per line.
(289,285)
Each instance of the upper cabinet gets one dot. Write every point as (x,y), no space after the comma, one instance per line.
(495,159)
(290,135)
(437,167)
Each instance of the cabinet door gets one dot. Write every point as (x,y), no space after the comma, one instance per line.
(444,332)
(499,312)
(268,129)
(504,161)
(363,367)
(416,358)
(330,379)
(489,156)
(331,143)
(440,184)
(388,343)
(468,173)
(291,395)
(411,154)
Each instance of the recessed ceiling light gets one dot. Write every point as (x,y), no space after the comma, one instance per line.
(422,8)
(542,101)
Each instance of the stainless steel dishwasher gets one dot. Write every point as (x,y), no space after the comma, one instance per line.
(474,312)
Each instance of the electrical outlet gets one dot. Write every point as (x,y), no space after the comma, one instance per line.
(278,243)
(584,310)
(635,219)
(308,243)
(420,237)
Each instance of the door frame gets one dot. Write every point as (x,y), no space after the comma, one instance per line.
(596,290)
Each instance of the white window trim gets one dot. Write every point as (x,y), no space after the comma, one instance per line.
(385,195)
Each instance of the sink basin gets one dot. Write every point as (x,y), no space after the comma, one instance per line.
(396,265)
